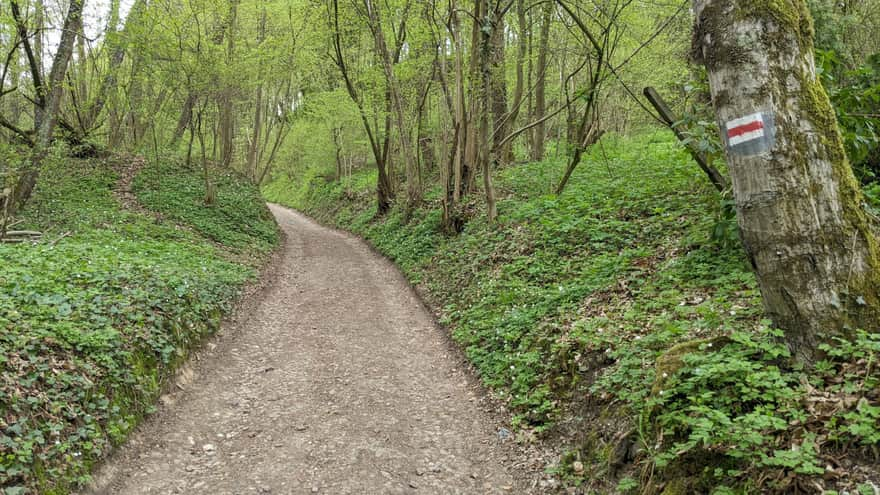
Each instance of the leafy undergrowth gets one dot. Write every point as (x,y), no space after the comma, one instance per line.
(95,318)
(233,221)
(566,305)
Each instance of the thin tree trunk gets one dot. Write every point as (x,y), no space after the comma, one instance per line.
(498,84)
(799,206)
(39,21)
(189,148)
(522,46)
(185,118)
(210,191)
(486,153)
(254,147)
(593,134)
(470,164)
(461,117)
(671,120)
(384,192)
(225,106)
(337,146)
(530,77)
(117,56)
(46,130)
(413,195)
(541,84)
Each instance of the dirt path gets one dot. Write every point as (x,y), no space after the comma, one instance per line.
(337,382)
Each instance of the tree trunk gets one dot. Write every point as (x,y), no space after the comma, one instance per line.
(15,71)
(116,57)
(210,189)
(486,150)
(471,157)
(522,36)
(413,194)
(253,164)
(46,130)
(498,85)
(541,84)
(799,207)
(185,118)
(460,167)
(132,118)
(384,192)
(337,146)
(225,107)
(39,21)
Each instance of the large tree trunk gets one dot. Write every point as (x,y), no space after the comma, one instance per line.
(799,206)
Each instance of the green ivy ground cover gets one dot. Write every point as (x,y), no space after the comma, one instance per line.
(92,325)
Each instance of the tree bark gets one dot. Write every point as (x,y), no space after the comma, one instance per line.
(254,146)
(522,36)
(55,83)
(470,160)
(498,84)
(413,194)
(486,152)
(539,133)
(185,119)
(39,21)
(799,206)
(384,192)
(225,104)
(116,57)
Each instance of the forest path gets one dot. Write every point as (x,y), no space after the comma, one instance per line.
(337,381)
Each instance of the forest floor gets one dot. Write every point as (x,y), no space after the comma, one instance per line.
(337,380)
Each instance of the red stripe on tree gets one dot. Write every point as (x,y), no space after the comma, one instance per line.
(745,128)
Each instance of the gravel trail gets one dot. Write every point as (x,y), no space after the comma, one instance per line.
(336,380)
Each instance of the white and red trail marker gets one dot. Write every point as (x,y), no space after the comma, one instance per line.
(751,134)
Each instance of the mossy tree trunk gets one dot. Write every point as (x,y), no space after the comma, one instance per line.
(800,209)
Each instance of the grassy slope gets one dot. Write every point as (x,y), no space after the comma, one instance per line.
(565,306)
(92,325)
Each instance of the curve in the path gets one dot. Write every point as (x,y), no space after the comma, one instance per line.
(339,382)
